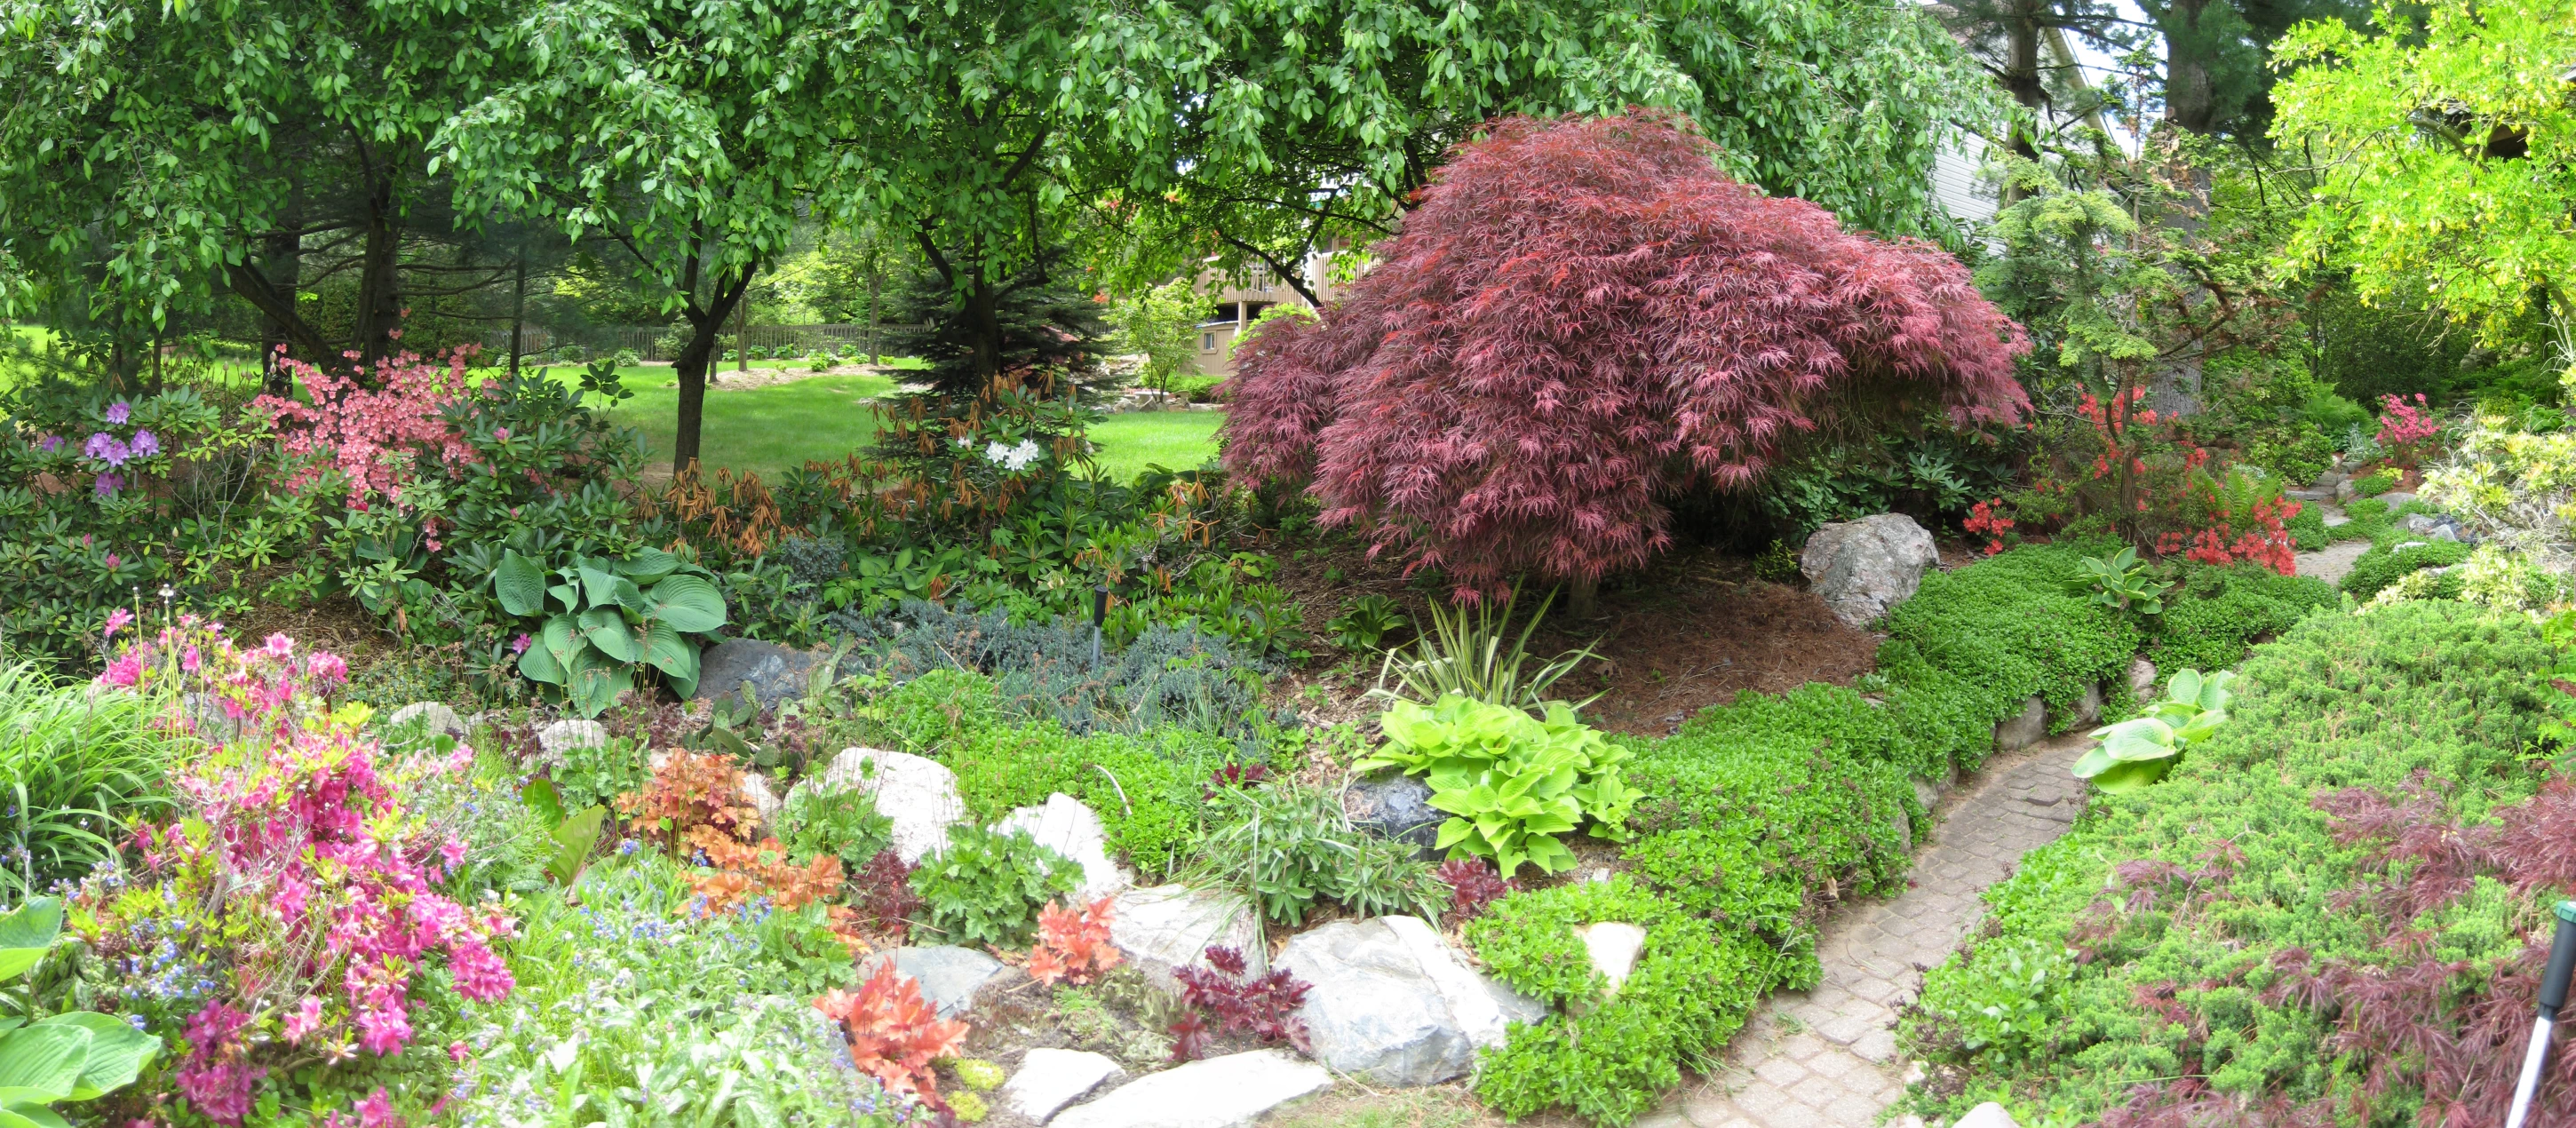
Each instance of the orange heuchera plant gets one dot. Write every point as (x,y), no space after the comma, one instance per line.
(894,1033)
(1072,946)
(747,870)
(691,793)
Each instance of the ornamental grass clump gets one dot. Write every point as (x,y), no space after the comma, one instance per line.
(293,905)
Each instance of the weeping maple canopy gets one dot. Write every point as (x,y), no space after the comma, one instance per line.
(1581,320)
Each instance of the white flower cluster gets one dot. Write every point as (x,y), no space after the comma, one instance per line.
(1014,458)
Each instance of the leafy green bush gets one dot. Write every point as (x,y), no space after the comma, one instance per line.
(2375,483)
(2188,913)
(2386,564)
(1367,620)
(841,822)
(75,770)
(1510,782)
(2010,623)
(2121,583)
(1287,846)
(2219,611)
(1689,992)
(1471,653)
(985,887)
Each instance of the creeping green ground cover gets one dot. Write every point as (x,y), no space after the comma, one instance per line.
(2233,934)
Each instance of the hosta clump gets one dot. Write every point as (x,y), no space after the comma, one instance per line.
(64,1058)
(1511,782)
(2139,751)
(611,618)
(985,887)
(299,899)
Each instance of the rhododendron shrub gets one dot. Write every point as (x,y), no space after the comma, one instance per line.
(295,908)
(1582,321)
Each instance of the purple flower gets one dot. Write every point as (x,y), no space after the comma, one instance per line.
(146,444)
(108,483)
(51,443)
(118,412)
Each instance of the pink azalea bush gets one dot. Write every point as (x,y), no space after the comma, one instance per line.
(305,889)
(2405,429)
(373,435)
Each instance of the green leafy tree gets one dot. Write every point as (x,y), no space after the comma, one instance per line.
(1162,324)
(2447,159)
(688,135)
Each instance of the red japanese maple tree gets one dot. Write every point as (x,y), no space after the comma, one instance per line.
(1582,320)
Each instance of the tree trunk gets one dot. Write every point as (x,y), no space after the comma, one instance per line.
(2190,102)
(696,360)
(1584,596)
(2021,78)
(518,310)
(379,314)
(983,309)
(282,264)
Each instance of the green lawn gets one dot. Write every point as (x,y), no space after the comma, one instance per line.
(1176,440)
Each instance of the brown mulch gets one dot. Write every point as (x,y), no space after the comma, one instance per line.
(1695,630)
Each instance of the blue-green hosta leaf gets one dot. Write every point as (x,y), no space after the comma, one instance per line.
(568,595)
(520,583)
(688,603)
(1454,832)
(1548,854)
(648,565)
(117,1052)
(2134,775)
(596,681)
(26,933)
(606,629)
(2093,762)
(675,656)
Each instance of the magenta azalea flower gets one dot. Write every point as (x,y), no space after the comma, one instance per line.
(117,619)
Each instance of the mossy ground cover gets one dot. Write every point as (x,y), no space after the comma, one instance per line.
(2228,938)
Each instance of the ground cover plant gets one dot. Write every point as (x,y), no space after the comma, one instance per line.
(2280,925)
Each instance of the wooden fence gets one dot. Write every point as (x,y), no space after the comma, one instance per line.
(659,342)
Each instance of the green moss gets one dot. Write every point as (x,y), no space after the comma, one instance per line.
(2215,613)
(2340,701)
(2393,559)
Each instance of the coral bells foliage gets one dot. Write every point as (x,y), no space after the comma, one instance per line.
(894,1034)
(1073,946)
(1264,1006)
(1582,320)
(371,424)
(301,874)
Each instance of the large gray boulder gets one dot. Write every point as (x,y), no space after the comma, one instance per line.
(1220,1092)
(1862,568)
(918,795)
(776,673)
(1067,827)
(948,975)
(1164,928)
(570,733)
(434,717)
(1389,1001)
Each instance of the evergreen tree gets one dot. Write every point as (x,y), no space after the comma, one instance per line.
(1035,320)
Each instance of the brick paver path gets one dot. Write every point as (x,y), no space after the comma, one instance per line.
(1827,1057)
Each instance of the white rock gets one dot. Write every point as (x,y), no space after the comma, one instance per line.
(1862,568)
(757,793)
(1051,1079)
(948,975)
(918,795)
(1222,1092)
(1384,1002)
(1987,1115)
(570,733)
(437,717)
(1163,928)
(1613,947)
(1067,827)
(2142,680)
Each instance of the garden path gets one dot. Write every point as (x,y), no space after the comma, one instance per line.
(1827,1057)
(2333,562)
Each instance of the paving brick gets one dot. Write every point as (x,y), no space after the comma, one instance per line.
(1780,1071)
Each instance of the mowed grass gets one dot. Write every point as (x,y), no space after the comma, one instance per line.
(1174,440)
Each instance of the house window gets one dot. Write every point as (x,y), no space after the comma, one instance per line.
(1207,342)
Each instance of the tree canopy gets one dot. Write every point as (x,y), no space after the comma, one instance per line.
(1582,320)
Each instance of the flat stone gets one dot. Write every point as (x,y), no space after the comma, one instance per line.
(1049,1079)
(948,974)
(571,733)
(776,673)
(918,795)
(2444,533)
(1396,806)
(1063,824)
(2394,498)
(1987,1115)
(1163,928)
(757,792)
(2025,729)
(1221,1092)
(437,717)
(1380,1005)
(2326,494)
(1862,568)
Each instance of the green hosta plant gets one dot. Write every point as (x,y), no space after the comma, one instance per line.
(2138,752)
(606,620)
(1513,782)
(63,1058)
(2120,581)
(1368,621)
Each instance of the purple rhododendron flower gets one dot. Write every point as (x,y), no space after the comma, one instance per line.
(51,443)
(119,412)
(146,444)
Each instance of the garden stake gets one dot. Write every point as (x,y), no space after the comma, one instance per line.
(1099,615)
(2553,995)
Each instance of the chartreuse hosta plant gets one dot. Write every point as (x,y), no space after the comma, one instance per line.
(2139,751)
(607,620)
(2120,581)
(1512,782)
(63,1058)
